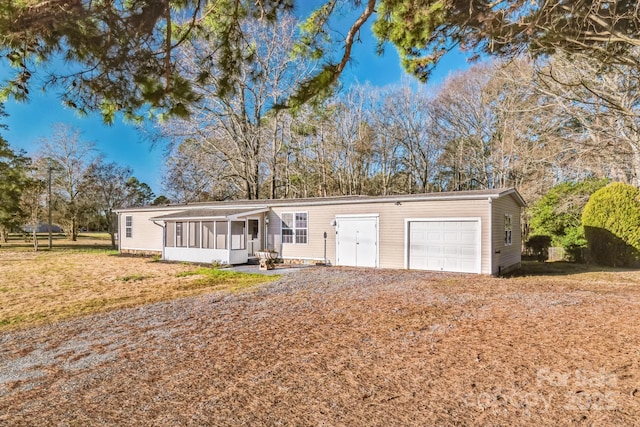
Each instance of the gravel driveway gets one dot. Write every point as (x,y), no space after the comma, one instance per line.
(339,346)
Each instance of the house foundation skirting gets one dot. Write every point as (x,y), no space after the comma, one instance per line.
(303,261)
(140,252)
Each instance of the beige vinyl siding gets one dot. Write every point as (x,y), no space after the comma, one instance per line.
(146,236)
(391,227)
(506,256)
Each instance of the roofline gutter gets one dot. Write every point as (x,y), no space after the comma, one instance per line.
(267,204)
(407,198)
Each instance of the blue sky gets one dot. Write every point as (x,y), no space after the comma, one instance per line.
(125,144)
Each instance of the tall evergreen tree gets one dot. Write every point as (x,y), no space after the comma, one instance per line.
(120,56)
(13,179)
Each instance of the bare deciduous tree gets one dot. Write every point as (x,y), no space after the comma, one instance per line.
(69,156)
(234,127)
(406,123)
(194,174)
(601,111)
(107,185)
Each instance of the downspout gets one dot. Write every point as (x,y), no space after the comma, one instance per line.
(164,236)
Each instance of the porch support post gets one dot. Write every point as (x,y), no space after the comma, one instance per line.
(229,244)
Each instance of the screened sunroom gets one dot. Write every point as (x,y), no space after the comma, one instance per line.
(226,236)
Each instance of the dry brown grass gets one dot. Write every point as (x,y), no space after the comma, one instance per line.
(47,286)
(344,347)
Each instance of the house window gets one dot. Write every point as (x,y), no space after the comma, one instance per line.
(507,229)
(295,227)
(128,226)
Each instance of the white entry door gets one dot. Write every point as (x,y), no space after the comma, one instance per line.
(444,245)
(253,234)
(357,241)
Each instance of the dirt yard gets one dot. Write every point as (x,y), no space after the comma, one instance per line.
(342,347)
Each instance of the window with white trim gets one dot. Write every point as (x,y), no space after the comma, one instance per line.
(507,229)
(128,226)
(295,227)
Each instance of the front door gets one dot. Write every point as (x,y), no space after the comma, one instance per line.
(253,243)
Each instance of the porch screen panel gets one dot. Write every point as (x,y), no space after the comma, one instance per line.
(170,240)
(221,234)
(207,235)
(181,238)
(194,234)
(238,240)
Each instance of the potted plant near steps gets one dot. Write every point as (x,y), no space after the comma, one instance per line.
(267,259)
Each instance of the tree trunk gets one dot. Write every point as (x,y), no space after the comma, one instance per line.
(74,230)
(274,158)
(635,167)
(111,228)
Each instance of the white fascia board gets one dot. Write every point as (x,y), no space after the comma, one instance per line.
(514,193)
(249,213)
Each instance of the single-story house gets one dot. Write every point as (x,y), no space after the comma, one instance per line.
(462,231)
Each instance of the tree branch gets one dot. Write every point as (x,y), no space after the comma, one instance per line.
(167,55)
(350,39)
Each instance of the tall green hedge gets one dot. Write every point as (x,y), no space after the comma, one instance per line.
(611,221)
(557,215)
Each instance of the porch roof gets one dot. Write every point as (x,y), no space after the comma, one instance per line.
(209,214)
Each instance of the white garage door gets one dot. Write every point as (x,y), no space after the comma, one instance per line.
(445,245)
(357,241)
